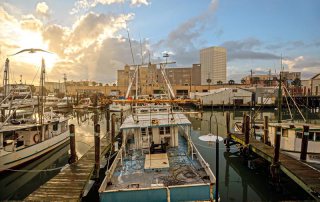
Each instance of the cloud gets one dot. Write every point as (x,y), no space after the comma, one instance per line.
(88,4)
(140,2)
(307,65)
(247,49)
(29,22)
(183,40)
(42,9)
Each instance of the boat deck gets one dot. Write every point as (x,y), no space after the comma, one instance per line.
(182,170)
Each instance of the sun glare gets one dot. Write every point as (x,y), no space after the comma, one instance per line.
(30,39)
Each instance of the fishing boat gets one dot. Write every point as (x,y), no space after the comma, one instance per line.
(157,161)
(24,140)
(51,101)
(291,140)
(84,103)
(117,107)
(65,102)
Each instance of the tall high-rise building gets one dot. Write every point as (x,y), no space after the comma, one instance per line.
(213,62)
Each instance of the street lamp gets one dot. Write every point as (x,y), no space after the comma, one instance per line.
(214,138)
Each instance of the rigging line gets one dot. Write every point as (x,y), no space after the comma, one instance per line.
(130,47)
(35,75)
(288,107)
(295,103)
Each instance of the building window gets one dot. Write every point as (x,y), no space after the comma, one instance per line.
(299,135)
(284,133)
(161,130)
(143,131)
(168,130)
(318,136)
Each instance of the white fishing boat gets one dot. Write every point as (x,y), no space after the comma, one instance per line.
(18,96)
(291,139)
(157,161)
(84,103)
(117,107)
(22,141)
(51,101)
(65,102)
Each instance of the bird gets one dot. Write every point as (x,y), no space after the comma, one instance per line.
(31,50)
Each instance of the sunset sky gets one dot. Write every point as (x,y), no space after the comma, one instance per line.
(90,42)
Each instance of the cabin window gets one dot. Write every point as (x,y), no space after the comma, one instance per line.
(150,131)
(299,135)
(311,136)
(55,127)
(318,136)
(143,131)
(284,133)
(167,130)
(161,130)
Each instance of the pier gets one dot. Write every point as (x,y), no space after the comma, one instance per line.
(70,183)
(304,175)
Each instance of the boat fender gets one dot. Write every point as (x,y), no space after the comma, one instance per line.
(36,138)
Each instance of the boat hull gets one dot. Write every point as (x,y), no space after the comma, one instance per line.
(21,156)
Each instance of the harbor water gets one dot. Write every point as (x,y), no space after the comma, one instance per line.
(237,180)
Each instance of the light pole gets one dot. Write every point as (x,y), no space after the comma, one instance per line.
(214,138)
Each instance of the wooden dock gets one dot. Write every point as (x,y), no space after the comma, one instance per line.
(304,175)
(70,183)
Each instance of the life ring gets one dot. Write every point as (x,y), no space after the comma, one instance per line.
(36,138)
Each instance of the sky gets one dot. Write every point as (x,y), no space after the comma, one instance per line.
(88,39)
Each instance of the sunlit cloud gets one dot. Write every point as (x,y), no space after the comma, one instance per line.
(42,9)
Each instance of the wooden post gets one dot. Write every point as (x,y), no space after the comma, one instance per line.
(2,115)
(277,140)
(304,143)
(243,122)
(108,118)
(228,131)
(121,116)
(265,130)
(274,168)
(97,149)
(247,129)
(73,157)
(113,129)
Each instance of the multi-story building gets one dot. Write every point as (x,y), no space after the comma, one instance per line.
(261,79)
(290,76)
(213,62)
(150,76)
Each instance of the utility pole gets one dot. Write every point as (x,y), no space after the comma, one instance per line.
(251,79)
(280,94)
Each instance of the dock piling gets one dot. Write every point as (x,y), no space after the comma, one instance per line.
(275,167)
(265,130)
(73,157)
(97,149)
(304,143)
(228,131)
(113,129)
(247,129)
(108,118)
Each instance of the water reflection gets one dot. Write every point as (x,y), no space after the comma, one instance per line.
(237,181)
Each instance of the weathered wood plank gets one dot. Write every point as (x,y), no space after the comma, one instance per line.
(69,183)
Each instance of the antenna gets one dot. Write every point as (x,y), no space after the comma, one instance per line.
(141,50)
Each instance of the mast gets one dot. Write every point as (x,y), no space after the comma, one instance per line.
(6,78)
(280,94)
(42,100)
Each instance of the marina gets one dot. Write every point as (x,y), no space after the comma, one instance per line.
(161,101)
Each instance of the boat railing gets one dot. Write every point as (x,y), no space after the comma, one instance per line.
(194,151)
(111,170)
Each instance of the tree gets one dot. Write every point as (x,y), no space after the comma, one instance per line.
(243,81)
(219,82)
(231,82)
